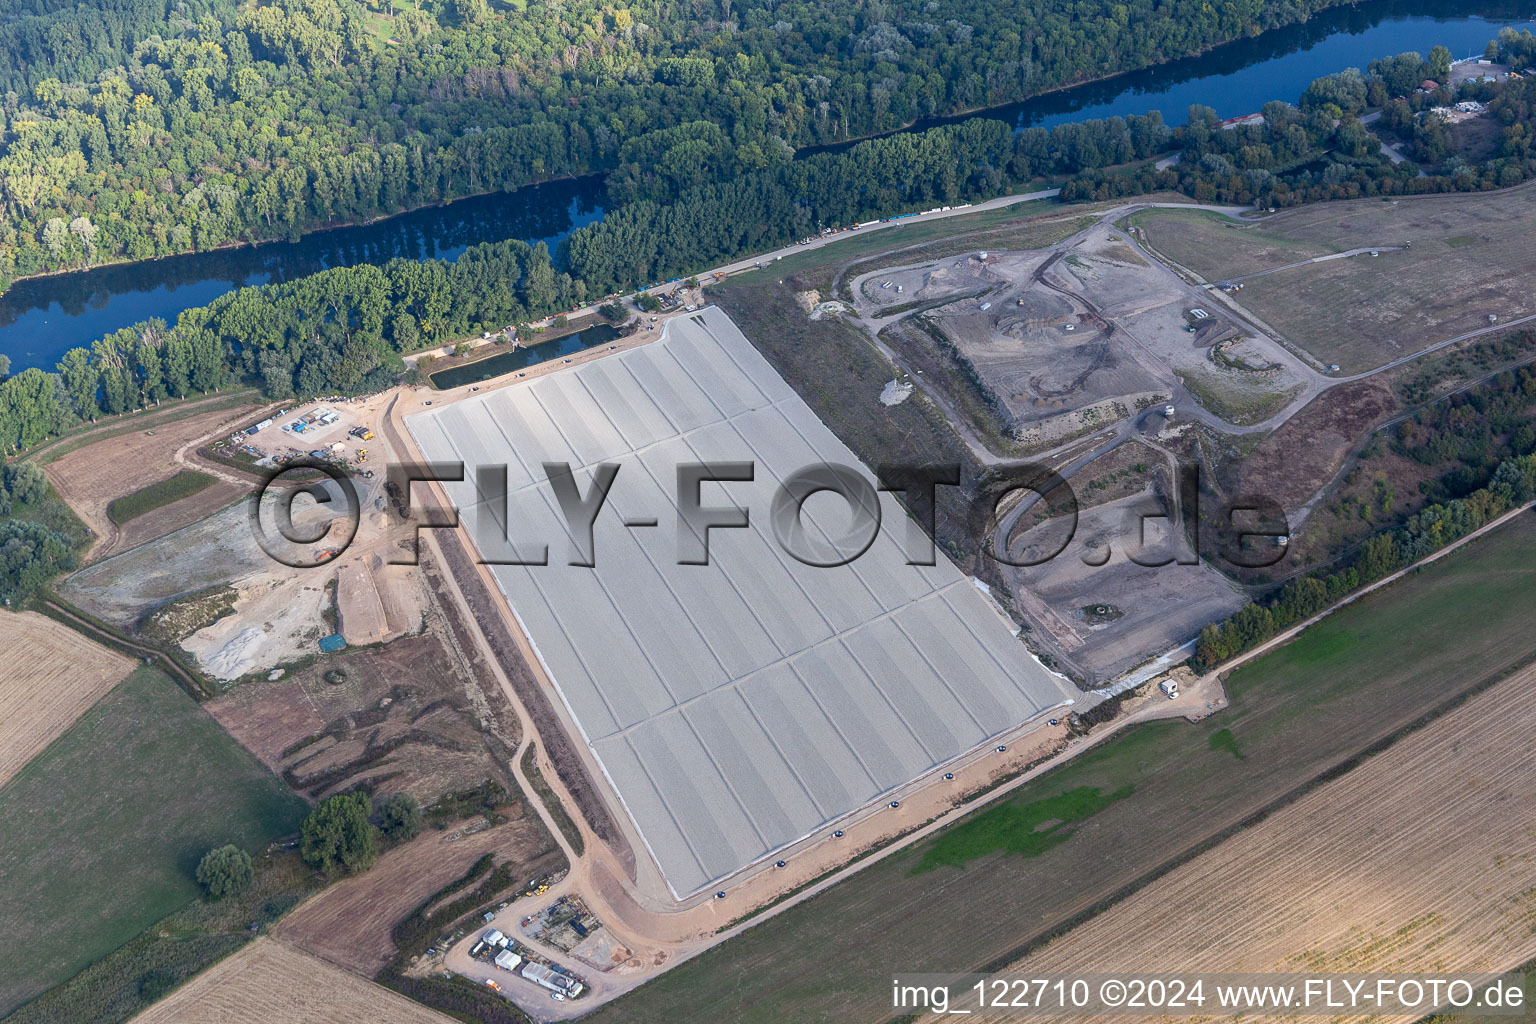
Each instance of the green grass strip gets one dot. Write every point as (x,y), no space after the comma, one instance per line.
(146,499)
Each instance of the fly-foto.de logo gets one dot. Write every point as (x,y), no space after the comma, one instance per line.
(822,515)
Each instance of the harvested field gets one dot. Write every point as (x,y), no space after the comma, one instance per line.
(269,982)
(1416,861)
(1304,710)
(1469,258)
(93,475)
(414,715)
(50,675)
(349,923)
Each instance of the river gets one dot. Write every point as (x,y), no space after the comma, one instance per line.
(43,317)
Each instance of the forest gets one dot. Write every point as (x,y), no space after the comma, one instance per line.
(137,128)
(344,329)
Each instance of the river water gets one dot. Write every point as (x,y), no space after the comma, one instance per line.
(40,319)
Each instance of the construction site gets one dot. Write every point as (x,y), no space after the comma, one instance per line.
(1066,341)
(674,746)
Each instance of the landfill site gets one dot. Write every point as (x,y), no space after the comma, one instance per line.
(738,707)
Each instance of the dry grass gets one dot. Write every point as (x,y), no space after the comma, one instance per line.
(268,982)
(1417,861)
(49,677)
(1300,457)
(409,716)
(1469,258)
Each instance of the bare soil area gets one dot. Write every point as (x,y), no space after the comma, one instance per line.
(90,477)
(1098,611)
(270,982)
(49,676)
(350,923)
(415,715)
(1416,861)
(1043,359)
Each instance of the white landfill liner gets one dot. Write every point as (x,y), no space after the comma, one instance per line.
(740,706)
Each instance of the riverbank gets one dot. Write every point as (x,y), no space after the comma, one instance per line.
(308,234)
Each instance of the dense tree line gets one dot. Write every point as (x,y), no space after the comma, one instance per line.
(32,551)
(1471,432)
(1320,150)
(1427,531)
(344,329)
(340,330)
(647,241)
(137,128)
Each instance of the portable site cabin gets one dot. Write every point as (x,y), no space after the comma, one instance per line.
(508,960)
(1170,688)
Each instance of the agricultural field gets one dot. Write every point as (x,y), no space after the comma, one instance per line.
(117,812)
(1354,680)
(349,923)
(1441,825)
(92,471)
(269,982)
(174,949)
(1469,258)
(49,676)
